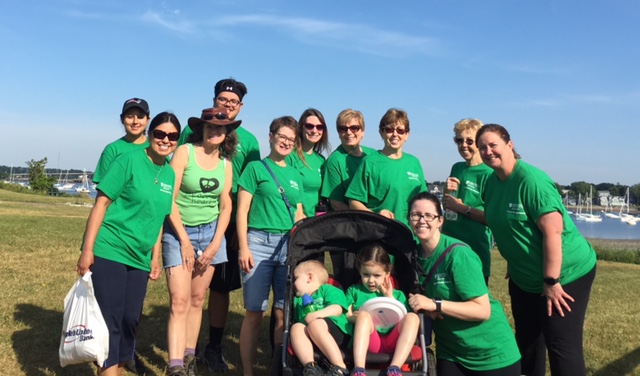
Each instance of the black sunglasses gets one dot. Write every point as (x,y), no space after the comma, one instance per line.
(352,128)
(160,135)
(460,140)
(310,127)
(211,116)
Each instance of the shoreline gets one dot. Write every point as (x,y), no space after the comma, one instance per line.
(619,244)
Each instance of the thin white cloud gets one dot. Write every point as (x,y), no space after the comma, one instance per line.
(360,37)
(181,26)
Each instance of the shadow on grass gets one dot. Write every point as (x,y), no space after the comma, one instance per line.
(36,347)
(622,366)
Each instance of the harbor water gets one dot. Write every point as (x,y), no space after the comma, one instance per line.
(609,228)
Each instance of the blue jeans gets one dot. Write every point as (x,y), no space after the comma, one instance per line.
(269,270)
(200,237)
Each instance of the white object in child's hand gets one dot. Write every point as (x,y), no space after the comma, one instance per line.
(385,312)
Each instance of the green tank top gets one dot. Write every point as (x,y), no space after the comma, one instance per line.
(199,196)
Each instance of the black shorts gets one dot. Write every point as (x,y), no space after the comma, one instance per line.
(226,277)
(341,338)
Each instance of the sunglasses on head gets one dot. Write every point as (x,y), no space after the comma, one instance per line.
(400,131)
(460,140)
(211,116)
(310,127)
(352,128)
(160,135)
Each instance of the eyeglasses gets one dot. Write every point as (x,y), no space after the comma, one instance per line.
(160,135)
(310,127)
(400,131)
(223,100)
(131,116)
(352,128)
(428,217)
(460,140)
(285,139)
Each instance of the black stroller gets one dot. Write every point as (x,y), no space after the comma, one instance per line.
(343,234)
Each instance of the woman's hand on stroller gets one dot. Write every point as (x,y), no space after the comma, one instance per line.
(245,260)
(387,213)
(419,302)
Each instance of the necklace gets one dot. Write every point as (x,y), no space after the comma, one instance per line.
(157,174)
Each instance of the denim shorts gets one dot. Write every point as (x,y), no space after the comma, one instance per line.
(269,270)
(200,237)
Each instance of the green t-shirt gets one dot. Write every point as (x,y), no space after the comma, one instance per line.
(339,170)
(199,197)
(268,211)
(113,151)
(473,180)
(477,345)
(513,207)
(325,296)
(385,183)
(311,175)
(358,294)
(139,206)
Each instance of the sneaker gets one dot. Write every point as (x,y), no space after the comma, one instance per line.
(358,371)
(190,365)
(394,371)
(136,366)
(212,357)
(176,371)
(338,371)
(312,369)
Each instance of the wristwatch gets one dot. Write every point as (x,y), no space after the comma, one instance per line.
(438,304)
(550,281)
(468,212)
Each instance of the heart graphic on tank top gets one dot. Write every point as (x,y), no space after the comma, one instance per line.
(209,185)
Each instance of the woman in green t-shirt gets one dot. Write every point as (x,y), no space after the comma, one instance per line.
(134,119)
(473,336)
(263,222)
(307,158)
(121,243)
(551,266)
(464,214)
(386,180)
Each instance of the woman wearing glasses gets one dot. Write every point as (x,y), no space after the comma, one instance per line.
(264,218)
(313,139)
(472,334)
(121,243)
(193,242)
(344,161)
(388,179)
(463,201)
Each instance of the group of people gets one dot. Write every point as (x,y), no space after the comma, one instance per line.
(218,216)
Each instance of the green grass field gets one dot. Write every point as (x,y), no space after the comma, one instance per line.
(39,246)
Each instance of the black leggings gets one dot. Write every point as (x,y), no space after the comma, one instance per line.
(447,368)
(562,336)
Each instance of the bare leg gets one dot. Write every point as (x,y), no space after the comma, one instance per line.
(319,332)
(408,328)
(114,370)
(249,340)
(301,343)
(179,285)
(199,286)
(363,329)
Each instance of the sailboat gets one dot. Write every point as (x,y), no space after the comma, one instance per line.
(84,188)
(579,215)
(590,217)
(624,211)
(610,214)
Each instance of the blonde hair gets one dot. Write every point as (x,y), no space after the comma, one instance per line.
(314,267)
(345,116)
(467,124)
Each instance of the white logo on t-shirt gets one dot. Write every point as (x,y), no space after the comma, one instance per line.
(412,176)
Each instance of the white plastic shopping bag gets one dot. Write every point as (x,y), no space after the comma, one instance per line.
(85,337)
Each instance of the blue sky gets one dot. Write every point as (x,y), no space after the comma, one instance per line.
(562,76)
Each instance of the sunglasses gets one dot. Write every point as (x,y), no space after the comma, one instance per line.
(352,128)
(310,127)
(389,130)
(160,135)
(460,140)
(210,116)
